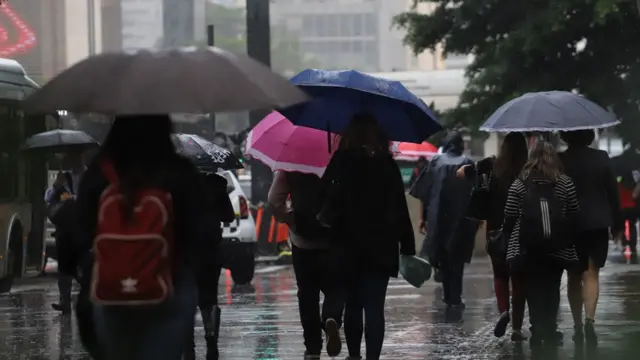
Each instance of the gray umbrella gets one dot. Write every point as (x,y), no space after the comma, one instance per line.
(190,80)
(60,141)
(549,111)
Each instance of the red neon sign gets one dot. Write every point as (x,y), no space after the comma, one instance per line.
(26,37)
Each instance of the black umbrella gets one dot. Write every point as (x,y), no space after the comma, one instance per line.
(205,154)
(60,141)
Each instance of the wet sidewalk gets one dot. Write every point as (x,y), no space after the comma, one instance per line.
(262,322)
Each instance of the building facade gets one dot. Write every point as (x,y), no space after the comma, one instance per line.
(145,24)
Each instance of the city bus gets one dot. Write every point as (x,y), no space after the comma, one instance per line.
(23,180)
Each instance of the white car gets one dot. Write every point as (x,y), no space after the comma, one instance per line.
(239,237)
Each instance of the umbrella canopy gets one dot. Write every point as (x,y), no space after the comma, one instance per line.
(338,95)
(411,152)
(190,80)
(60,141)
(549,111)
(204,154)
(280,145)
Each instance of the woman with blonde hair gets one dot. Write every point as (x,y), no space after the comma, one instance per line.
(540,214)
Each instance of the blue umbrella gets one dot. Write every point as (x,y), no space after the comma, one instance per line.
(549,111)
(338,95)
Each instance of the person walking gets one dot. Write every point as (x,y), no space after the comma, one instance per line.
(208,274)
(500,173)
(450,236)
(540,217)
(367,212)
(593,176)
(64,189)
(316,262)
(137,313)
(59,198)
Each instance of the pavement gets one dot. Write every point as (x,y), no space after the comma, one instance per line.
(260,322)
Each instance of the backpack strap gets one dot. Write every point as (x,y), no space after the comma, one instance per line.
(109,171)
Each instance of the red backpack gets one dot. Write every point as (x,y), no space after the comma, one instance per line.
(134,258)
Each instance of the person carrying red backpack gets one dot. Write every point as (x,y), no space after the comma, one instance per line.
(141,219)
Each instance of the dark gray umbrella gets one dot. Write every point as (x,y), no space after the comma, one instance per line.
(60,141)
(549,111)
(191,80)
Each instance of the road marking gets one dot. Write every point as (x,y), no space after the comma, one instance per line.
(271,269)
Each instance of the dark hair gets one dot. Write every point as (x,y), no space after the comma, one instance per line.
(363,131)
(512,157)
(543,161)
(578,138)
(140,147)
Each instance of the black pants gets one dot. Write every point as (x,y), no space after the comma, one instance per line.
(318,270)
(366,291)
(207,279)
(542,288)
(631,216)
(452,271)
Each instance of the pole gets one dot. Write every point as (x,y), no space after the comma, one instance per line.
(91,9)
(211,42)
(259,48)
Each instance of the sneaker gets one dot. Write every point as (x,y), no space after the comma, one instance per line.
(590,332)
(309,356)
(501,326)
(518,336)
(334,342)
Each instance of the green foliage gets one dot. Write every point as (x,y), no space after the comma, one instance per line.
(535,45)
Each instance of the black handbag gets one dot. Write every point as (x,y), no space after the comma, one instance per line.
(480,197)
(496,244)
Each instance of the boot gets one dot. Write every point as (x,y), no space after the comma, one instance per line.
(211,322)
(190,351)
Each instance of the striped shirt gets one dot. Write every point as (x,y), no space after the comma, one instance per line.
(566,193)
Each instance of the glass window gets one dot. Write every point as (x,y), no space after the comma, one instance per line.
(333,47)
(333,23)
(370,24)
(307,25)
(346,25)
(11,137)
(345,46)
(357,25)
(357,46)
(321,25)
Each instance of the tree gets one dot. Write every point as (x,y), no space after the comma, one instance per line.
(589,46)
(230,34)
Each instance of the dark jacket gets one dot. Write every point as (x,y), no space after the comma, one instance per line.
(493,211)
(445,200)
(372,219)
(592,173)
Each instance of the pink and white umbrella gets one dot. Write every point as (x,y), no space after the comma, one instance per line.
(412,152)
(280,145)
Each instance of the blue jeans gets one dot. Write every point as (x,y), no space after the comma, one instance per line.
(158,333)
(365,292)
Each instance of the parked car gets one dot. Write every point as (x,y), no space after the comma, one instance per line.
(239,237)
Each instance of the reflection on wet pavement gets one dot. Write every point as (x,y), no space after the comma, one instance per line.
(261,322)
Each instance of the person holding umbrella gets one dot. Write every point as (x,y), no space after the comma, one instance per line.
(299,156)
(593,175)
(60,198)
(366,210)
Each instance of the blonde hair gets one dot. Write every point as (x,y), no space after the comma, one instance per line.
(543,162)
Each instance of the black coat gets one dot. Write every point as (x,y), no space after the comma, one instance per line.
(372,220)
(593,175)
